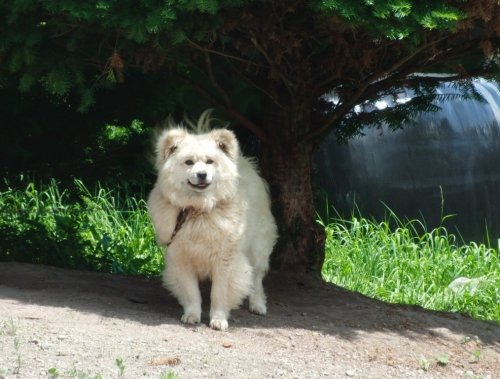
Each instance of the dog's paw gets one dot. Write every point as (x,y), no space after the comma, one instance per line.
(189,318)
(258,308)
(219,324)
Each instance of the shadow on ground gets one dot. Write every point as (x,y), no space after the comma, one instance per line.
(294,301)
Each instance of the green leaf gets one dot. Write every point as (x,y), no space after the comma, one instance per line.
(57,81)
(87,100)
(443,359)
(26,82)
(207,6)
(53,372)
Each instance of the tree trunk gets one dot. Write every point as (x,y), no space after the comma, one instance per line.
(301,241)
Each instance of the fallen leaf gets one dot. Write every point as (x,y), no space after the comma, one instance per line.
(165,361)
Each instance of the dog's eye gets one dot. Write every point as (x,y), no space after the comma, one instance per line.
(189,162)
(209,161)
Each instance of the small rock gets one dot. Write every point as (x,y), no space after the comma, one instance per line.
(44,346)
(349,373)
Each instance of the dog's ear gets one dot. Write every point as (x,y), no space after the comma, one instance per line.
(227,142)
(167,143)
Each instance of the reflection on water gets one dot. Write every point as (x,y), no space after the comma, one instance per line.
(453,153)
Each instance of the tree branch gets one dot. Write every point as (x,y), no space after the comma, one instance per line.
(216,52)
(217,86)
(254,85)
(396,66)
(233,113)
(288,83)
(374,84)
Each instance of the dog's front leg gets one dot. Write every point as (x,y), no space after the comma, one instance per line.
(219,308)
(163,215)
(183,284)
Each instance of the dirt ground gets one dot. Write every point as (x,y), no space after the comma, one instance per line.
(56,322)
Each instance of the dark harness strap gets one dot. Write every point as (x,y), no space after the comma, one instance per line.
(181,219)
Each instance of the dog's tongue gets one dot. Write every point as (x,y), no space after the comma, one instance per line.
(200,185)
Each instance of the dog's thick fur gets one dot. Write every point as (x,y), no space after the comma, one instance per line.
(229,231)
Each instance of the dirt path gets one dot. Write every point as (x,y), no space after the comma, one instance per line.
(77,324)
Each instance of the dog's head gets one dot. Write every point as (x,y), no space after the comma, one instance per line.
(197,170)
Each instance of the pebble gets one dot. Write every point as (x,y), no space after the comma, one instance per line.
(44,346)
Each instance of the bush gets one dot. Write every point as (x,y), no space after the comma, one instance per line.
(103,230)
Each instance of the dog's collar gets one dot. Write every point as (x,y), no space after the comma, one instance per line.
(181,219)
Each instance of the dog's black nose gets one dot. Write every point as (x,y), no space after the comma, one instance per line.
(201,175)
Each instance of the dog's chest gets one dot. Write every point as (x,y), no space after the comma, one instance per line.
(210,231)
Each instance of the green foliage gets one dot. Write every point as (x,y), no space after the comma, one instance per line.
(121,152)
(121,366)
(102,230)
(47,137)
(222,53)
(403,262)
(70,45)
(77,46)
(394,19)
(26,81)
(169,375)
(57,81)
(53,372)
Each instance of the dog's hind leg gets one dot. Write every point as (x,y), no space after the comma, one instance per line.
(184,286)
(259,259)
(257,299)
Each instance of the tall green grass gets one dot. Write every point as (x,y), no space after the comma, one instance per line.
(109,230)
(403,262)
(102,229)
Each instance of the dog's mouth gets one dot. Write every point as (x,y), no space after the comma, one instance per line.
(199,186)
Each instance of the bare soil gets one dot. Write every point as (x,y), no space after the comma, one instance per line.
(77,324)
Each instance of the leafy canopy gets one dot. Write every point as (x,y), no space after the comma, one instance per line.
(269,55)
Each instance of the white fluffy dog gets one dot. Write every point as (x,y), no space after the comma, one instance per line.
(212,209)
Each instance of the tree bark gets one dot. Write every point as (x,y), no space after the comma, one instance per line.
(301,240)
